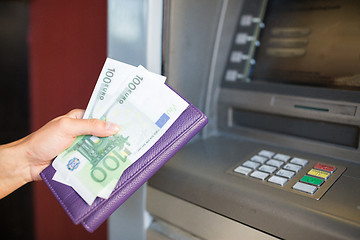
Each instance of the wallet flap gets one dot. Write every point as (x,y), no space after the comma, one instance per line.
(78,210)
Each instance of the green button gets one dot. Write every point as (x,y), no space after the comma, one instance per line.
(312,180)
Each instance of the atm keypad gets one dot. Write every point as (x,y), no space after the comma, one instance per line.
(299,175)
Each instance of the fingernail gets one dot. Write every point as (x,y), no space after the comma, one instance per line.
(112,127)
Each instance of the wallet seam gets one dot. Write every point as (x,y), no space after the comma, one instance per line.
(92,209)
(90,229)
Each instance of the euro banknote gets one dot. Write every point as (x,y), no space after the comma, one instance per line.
(112,75)
(145,108)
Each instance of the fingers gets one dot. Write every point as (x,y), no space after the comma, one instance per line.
(101,128)
(75,127)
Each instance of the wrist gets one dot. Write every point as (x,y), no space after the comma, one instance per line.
(15,170)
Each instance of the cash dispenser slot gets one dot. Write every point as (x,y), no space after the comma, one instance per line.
(334,133)
(332,108)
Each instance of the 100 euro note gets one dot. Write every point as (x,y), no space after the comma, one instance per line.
(145,109)
(112,75)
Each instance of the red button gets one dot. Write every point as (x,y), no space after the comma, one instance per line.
(325,167)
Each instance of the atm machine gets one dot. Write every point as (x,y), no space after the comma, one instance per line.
(280,83)
(280,157)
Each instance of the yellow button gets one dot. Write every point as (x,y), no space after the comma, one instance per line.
(319,173)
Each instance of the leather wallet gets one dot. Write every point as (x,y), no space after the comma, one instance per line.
(189,123)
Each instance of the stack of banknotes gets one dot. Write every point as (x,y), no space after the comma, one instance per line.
(144,108)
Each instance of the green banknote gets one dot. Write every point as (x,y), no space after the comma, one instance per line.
(144,108)
(93,164)
(111,78)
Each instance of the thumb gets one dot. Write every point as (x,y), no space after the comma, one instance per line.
(94,127)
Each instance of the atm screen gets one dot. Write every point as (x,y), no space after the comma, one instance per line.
(301,42)
(310,43)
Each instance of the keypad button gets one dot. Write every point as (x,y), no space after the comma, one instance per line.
(292,167)
(312,180)
(241,38)
(231,75)
(251,164)
(325,167)
(266,153)
(282,157)
(236,57)
(259,175)
(319,173)
(243,170)
(285,173)
(305,187)
(299,161)
(278,180)
(275,163)
(259,159)
(267,168)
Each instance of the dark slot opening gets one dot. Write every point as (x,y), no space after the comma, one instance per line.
(340,134)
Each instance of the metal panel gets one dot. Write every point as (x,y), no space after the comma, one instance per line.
(201,223)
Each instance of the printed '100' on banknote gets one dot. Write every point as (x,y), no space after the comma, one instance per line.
(112,76)
(144,108)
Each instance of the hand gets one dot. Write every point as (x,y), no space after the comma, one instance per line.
(23,160)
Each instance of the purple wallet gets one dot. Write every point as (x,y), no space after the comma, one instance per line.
(190,122)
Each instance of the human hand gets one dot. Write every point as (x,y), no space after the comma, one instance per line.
(23,160)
